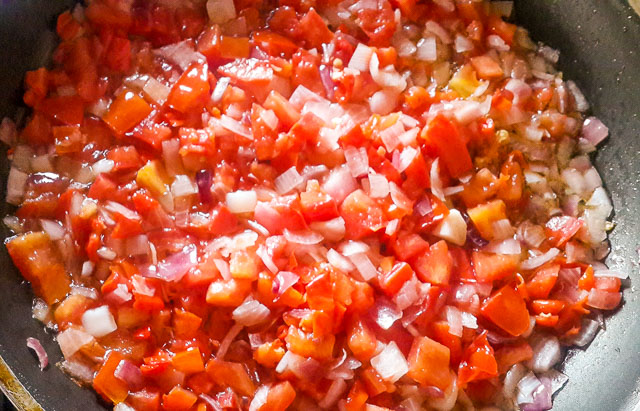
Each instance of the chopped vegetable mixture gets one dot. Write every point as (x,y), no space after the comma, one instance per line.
(300,204)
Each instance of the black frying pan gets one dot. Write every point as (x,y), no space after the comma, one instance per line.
(600,45)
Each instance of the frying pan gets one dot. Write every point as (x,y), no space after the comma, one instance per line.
(600,45)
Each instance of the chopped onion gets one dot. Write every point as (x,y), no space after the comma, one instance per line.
(469,320)
(446,5)
(581,102)
(288,181)
(509,246)
(221,11)
(106,253)
(392,227)
(520,90)
(361,58)
(35,345)
(235,126)
(16,183)
(611,273)
(339,261)
(307,237)
(102,166)
(384,101)
(378,186)
(91,293)
(390,363)
(8,132)
(390,136)
(301,95)
(266,258)
(181,53)
(549,54)
(399,198)
(250,313)
(454,319)
(594,130)
(526,388)
(537,261)
(176,266)
(129,373)
(259,399)
(123,407)
(223,268)
(54,230)
(385,313)
(227,340)
(332,230)
(357,161)
(436,183)
(77,370)
(427,49)
(512,378)
(99,321)
(603,300)
(339,184)
(336,389)
(496,42)
(283,281)
(452,228)
(546,353)
(364,266)
(588,331)
(434,28)
(502,229)
(156,91)
(40,310)
(239,202)
(71,340)
(387,77)
(220,89)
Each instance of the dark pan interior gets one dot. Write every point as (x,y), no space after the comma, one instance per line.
(600,45)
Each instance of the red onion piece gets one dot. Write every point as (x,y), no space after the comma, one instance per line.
(327,81)
(384,313)
(390,363)
(303,237)
(357,161)
(130,373)
(603,300)
(594,130)
(340,184)
(539,260)
(35,345)
(174,267)
(283,281)
(212,402)
(203,181)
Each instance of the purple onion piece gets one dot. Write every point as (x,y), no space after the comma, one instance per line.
(203,180)
(327,81)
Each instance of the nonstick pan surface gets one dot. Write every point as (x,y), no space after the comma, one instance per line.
(599,42)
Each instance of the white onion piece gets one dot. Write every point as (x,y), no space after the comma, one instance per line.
(427,49)
(549,54)
(332,230)
(221,11)
(390,363)
(392,227)
(71,340)
(306,238)
(496,42)
(448,400)
(454,319)
(106,253)
(594,130)
(16,183)
(582,104)
(357,161)
(384,101)
(235,126)
(227,340)
(123,407)
(54,230)
(520,90)
(250,313)
(339,184)
(610,273)
(361,58)
(339,261)
(409,137)
(301,95)
(223,268)
(527,386)
(433,27)
(469,320)
(509,246)
(288,181)
(102,166)
(587,333)
(512,378)
(387,77)
(436,183)
(181,53)
(446,5)
(220,89)
(558,379)
(99,321)
(378,186)
(546,353)
(259,398)
(364,265)
(40,310)
(336,389)
(452,228)
(537,261)
(390,136)
(239,202)
(502,229)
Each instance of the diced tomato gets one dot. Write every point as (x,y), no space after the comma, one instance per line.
(280,397)
(393,281)
(231,374)
(178,399)
(478,361)
(106,383)
(409,245)
(361,214)
(315,30)
(317,205)
(274,44)
(126,111)
(491,267)
(451,148)
(512,354)
(435,265)
(429,363)
(378,23)
(507,310)
(191,91)
(65,109)
(486,67)
(542,282)
(36,258)
(124,158)
(361,340)
(283,108)
(562,229)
